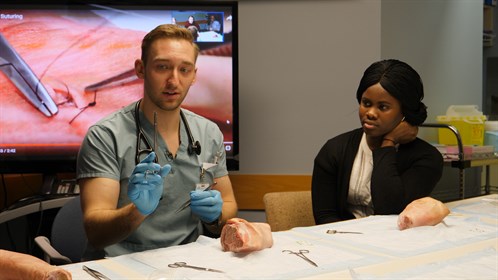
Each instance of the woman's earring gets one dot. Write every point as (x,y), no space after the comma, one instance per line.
(403,119)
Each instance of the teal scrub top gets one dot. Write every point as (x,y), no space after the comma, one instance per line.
(109,149)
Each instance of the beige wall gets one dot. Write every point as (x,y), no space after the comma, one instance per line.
(300,64)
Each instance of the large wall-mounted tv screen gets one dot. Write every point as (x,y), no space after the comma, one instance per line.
(52,54)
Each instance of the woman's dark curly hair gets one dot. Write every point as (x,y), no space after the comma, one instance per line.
(402,82)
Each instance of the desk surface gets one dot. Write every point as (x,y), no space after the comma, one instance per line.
(464,246)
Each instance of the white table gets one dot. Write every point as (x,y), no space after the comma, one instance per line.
(210,36)
(464,246)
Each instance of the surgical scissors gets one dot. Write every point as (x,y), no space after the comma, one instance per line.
(300,254)
(95,274)
(184,264)
(18,71)
(187,203)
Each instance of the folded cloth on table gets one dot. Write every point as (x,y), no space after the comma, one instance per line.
(425,211)
(241,236)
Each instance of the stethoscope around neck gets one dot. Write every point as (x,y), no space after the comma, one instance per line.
(194,147)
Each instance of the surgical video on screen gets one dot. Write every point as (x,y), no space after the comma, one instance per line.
(50,59)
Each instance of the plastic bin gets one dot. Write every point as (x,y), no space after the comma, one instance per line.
(491,134)
(491,138)
(469,122)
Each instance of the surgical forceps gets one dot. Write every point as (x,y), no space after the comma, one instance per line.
(124,78)
(300,254)
(95,274)
(333,231)
(18,71)
(184,264)
(187,203)
(130,76)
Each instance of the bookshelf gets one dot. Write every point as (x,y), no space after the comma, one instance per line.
(488,23)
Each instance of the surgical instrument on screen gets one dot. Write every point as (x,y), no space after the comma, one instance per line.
(184,264)
(18,71)
(120,79)
(95,274)
(300,254)
(129,76)
(333,231)
(187,203)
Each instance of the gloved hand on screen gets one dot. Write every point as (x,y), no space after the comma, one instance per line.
(206,205)
(145,186)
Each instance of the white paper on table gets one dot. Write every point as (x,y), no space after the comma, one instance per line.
(380,234)
(267,263)
(485,207)
(481,264)
(209,36)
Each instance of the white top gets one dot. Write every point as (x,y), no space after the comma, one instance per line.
(359,195)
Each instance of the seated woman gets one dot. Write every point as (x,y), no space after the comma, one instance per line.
(380,168)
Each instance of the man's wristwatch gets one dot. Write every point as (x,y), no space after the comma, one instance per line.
(214,224)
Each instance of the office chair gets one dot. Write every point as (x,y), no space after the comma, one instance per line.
(286,210)
(68,239)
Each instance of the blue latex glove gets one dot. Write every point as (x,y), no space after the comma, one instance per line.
(145,186)
(206,205)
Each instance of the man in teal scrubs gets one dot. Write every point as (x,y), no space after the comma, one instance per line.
(131,198)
